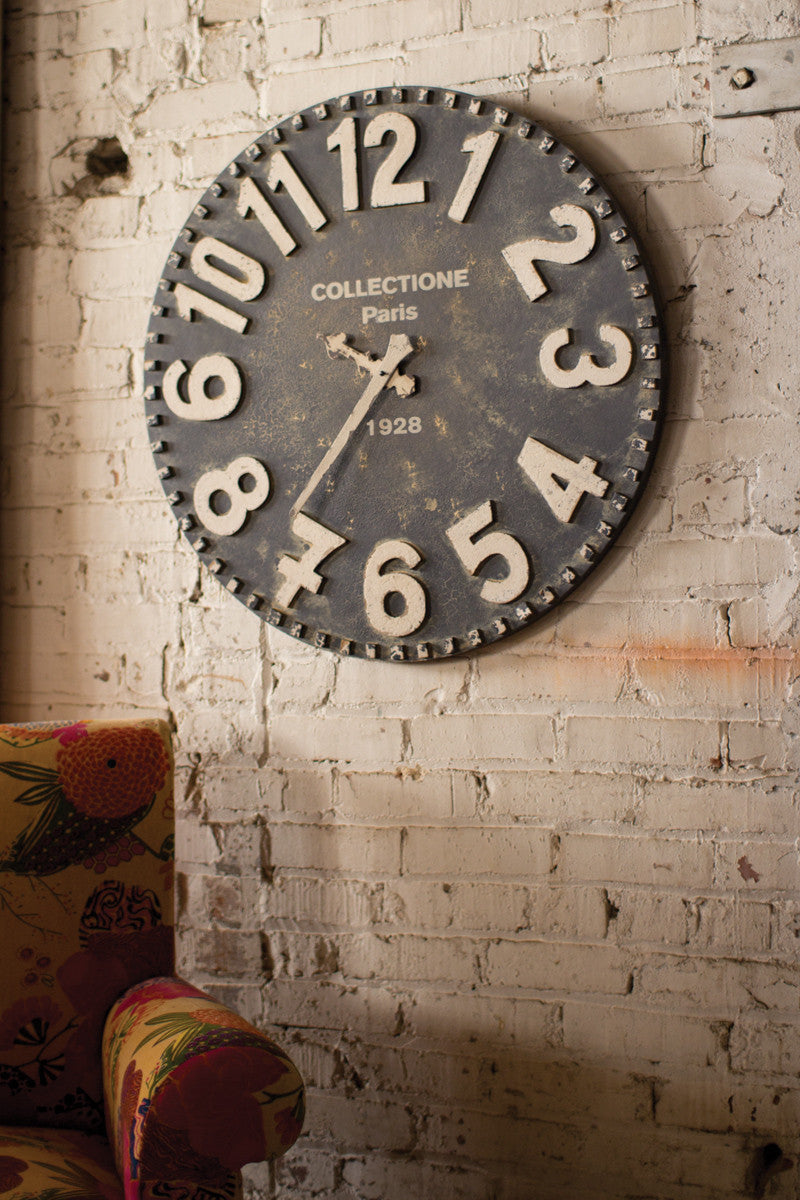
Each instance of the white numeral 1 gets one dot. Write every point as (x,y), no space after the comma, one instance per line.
(191,303)
(281,174)
(561,480)
(239,276)
(343,139)
(522,256)
(480,147)
(474,551)
(251,200)
(299,573)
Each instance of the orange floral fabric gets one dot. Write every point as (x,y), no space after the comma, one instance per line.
(56,1165)
(197,1091)
(86,848)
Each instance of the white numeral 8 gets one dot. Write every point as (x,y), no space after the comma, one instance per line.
(229,481)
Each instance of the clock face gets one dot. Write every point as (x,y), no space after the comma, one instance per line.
(403,374)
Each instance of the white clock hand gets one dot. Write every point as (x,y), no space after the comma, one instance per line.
(400,346)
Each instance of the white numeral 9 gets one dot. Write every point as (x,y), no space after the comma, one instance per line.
(200,406)
(228,481)
(586,370)
(381,585)
(474,551)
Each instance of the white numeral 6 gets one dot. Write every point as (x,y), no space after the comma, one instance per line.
(201,405)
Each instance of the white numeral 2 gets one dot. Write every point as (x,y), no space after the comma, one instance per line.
(522,256)
(302,572)
(474,551)
(561,480)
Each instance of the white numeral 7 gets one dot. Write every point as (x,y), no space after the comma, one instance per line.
(475,550)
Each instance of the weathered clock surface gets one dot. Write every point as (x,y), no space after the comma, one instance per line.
(403,376)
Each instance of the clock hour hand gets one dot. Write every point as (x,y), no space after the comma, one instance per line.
(337,346)
(400,346)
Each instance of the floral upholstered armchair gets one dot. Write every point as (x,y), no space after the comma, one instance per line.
(118,1081)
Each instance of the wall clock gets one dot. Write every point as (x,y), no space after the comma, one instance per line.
(403,376)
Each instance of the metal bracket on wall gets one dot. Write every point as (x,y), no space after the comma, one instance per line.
(756,77)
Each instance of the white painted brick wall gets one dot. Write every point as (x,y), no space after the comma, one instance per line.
(529,922)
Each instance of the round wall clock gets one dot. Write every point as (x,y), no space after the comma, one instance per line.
(403,374)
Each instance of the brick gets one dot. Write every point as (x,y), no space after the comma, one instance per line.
(642,740)
(690,204)
(401,796)
(296,39)
(499,852)
(389,23)
(109,25)
(674,862)
(640,1038)
(457,740)
(338,848)
(342,739)
(216,11)
(213,105)
(643,148)
(549,966)
(652,31)
(571,45)
(651,90)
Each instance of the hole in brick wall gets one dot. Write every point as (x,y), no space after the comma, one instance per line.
(106,158)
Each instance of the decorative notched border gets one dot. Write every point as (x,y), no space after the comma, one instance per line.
(641,444)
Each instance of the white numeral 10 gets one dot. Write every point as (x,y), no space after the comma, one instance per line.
(381,585)
(474,548)
(561,480)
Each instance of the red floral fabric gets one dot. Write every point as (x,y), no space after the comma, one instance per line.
(191,1091)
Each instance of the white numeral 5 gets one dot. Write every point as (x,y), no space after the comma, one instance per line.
(474,551)
(586,369)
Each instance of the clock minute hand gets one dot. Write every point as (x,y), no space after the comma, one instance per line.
(399,347)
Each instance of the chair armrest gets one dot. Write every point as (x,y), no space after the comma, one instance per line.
(193,1091)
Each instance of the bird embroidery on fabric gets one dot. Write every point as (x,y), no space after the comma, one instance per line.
(104,783)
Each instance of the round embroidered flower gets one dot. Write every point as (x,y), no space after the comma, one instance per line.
(11,1169)
(113,772)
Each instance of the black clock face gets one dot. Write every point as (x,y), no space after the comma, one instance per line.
(404,374)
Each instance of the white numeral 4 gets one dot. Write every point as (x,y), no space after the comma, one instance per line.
(474,548)
(561,480)
(523,256)
(381,585)
(302,572)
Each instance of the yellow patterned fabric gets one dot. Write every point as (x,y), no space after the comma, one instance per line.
(86,850)
(191,1091)
(197,1092)
(55,1164)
